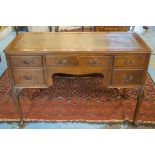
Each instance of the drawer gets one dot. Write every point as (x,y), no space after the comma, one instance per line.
(28,76)
(95,61)
(130,61)
(127,77)
(62,61)
(26,61)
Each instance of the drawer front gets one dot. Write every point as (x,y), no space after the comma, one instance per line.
(26,61)
(61,61)
(28,76)
(130,61)
(95,61)
(127,77)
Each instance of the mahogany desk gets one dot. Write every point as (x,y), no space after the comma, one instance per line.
(121,57)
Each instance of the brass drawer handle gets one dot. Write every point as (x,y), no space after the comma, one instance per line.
(129,62)
(27,62)
(94,62)
(128,78)
(27,77)
(62,62)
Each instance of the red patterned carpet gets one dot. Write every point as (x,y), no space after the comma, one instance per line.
(77,99)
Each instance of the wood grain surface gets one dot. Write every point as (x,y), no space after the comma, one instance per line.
(77,41)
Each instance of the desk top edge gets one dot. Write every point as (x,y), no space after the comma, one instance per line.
(11,47)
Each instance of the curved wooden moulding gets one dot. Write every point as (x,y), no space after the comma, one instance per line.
(65,75)
(51,72)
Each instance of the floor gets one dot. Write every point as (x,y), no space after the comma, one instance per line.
(148,36)
(2,28)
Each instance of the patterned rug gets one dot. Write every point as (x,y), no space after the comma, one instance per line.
(77,99)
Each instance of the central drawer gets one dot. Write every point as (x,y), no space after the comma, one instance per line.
(62,61)
(28,76)
(78,61)
(95,61)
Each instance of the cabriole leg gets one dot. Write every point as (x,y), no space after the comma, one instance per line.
(140,95)
(15,94)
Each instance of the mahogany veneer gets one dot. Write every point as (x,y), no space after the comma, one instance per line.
(121,57)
